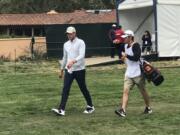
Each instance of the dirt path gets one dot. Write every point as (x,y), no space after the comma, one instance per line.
(99,60)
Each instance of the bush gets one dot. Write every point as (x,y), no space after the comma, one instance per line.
(4,59)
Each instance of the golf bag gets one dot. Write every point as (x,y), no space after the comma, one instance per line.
(151,73)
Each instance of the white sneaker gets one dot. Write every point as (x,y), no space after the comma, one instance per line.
(89,109)
(58,112)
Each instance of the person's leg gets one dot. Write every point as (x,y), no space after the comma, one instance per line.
(128,84)
(116,49)
(143,48)
(68,79)
(119,50)
(140,82)
(145,97)
(125,98)
(149,49)
(112,50)
(80,78)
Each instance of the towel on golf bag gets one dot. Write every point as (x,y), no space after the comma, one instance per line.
(151,73)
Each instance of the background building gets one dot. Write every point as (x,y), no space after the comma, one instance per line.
(91,25)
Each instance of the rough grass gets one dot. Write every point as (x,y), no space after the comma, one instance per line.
(27,96)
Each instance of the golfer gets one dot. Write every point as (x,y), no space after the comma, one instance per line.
(73,63)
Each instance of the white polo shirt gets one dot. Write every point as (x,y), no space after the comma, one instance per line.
(74,50)
(133,67)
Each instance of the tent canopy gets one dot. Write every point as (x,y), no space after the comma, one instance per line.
(131,4)
(138,15)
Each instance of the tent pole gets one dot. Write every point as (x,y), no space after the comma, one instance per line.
(117,12)
(117,2)
(155,24)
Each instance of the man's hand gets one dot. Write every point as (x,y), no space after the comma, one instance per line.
(61,73)
(123,56)
(116,41)
(70,63)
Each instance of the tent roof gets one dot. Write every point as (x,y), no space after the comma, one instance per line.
(131,4)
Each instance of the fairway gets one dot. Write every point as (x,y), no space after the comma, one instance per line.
(29,91)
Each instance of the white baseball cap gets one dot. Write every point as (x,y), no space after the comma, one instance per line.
(128,33)
(70,29)
(114,25)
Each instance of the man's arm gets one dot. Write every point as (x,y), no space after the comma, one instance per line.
(81,52)
(63,63)
(64,59)
(137,53)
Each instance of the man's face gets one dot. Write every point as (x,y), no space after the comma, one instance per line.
(127,40)
(71,36)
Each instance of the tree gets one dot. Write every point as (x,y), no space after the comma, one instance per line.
(40,6)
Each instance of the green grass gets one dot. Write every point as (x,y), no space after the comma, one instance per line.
(27,96)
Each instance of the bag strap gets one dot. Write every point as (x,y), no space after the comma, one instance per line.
(141,61)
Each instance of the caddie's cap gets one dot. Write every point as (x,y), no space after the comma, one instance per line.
(128,33)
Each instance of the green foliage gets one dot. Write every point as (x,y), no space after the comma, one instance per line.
(39,6)
(12,36)
(27,96)
(5,36)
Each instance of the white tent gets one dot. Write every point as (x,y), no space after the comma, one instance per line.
(138,15)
